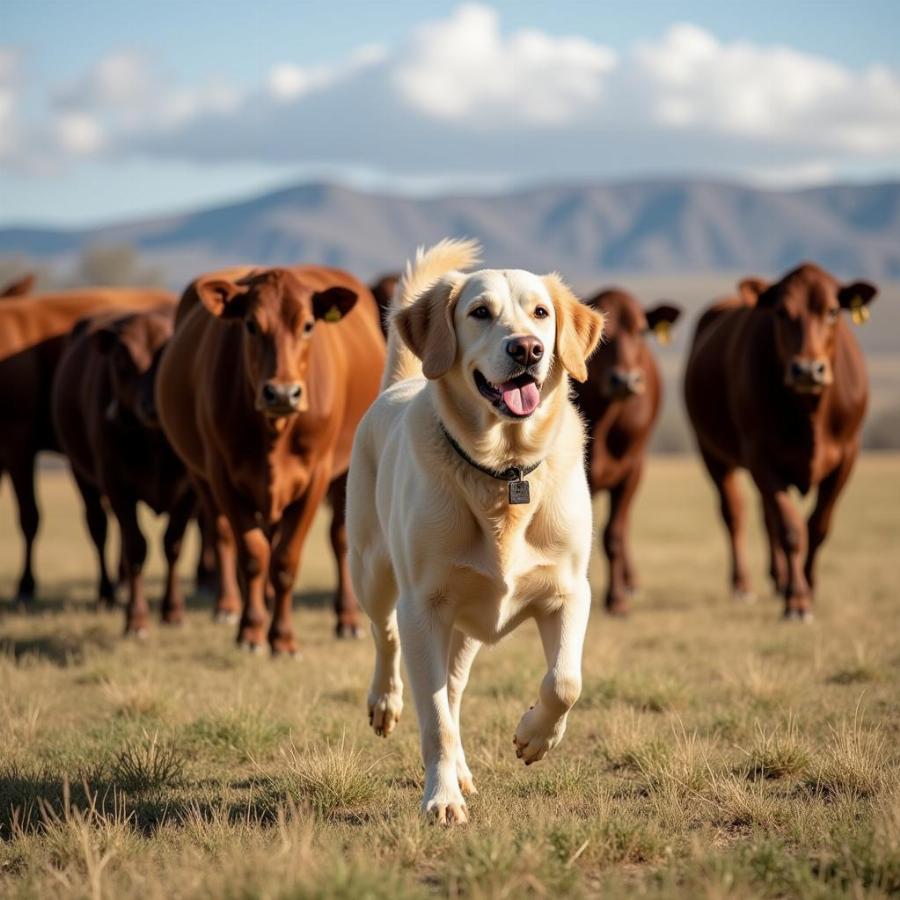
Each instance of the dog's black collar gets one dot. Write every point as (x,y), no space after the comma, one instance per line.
(518,488)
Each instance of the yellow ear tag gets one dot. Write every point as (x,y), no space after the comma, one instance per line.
(333,315)
(661,330)
(859,312)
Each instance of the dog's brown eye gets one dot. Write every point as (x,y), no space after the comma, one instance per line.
(251,326)
(480,312)
(541,312)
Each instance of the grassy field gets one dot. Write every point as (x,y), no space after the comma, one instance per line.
(716,751)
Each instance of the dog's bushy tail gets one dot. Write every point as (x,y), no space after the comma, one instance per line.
(449,255)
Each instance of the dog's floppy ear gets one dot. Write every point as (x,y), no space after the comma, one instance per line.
(426,327)
(578,327)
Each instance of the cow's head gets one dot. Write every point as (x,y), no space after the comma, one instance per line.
(277,313)
(806,305)
(620,358)
(132,345)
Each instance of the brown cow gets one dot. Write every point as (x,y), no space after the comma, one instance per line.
(19,287)
(105,417)
(33,332)
(620,401)
(260,392)
(778,385)
(383,290)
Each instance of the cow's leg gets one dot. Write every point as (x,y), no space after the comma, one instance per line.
(227,607)
(207,573)
(295,525)
(777,560)
(134,546)
(791,533)
(820,519)
(172,606)
(98,524)
(345,606)
(426,644)
(562,635)
(731,506)
(21,472)
(615,538)
(463,650)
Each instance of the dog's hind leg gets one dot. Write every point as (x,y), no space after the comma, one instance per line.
(463,650)
(378,594)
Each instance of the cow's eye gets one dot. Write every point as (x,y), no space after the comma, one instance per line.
(480,312)
(308,327)
(541,312)
(833,314)
(251,326)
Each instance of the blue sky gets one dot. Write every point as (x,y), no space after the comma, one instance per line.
(112,110)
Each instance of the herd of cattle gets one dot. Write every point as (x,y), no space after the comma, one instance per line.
(238,403)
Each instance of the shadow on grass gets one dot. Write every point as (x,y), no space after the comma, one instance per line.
(60,649)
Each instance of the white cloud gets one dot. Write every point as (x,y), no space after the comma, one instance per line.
(464,69)
(461,96)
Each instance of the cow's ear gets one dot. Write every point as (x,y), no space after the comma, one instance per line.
(578,327)
(20,287)
(334,303)
(857,295)
(426,326)
(224,298)
(660,320)
(105,338)
(750,289)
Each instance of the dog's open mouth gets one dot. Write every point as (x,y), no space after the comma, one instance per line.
(519,397)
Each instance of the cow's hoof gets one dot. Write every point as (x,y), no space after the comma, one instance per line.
(743,597)
(799,615)
(254,649)
(137,632)
(345,631)
(226,617)
(618,610)
(172,620)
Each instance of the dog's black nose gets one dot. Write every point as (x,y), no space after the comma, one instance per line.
(526,351)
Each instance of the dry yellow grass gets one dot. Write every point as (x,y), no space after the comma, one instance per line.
(716,750)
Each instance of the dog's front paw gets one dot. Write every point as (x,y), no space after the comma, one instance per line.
(384,712)
(444,810)
(537,734)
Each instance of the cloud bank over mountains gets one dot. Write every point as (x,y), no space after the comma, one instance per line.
(461,96)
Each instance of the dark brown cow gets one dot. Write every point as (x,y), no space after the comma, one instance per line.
(105,417)
(19,287)
(383,291)
(620,401)
(778,385)
(33,332)
(260,392)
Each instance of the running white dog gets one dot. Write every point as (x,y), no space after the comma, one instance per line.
(468,507)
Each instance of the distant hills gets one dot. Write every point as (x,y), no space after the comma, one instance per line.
(589,232)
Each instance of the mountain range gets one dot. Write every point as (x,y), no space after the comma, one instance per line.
(586,231)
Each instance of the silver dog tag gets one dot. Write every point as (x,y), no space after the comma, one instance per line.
(519,492)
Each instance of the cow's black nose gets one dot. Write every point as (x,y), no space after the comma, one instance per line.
(526,351)
(281,395)
(798,369)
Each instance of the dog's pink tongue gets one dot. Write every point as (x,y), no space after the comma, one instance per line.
(523,399)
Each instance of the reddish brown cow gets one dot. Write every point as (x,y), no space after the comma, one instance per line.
(383,291)
(778,385)
(19,287)
(620,401)
(260,392)
(33,331)
(105,417)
